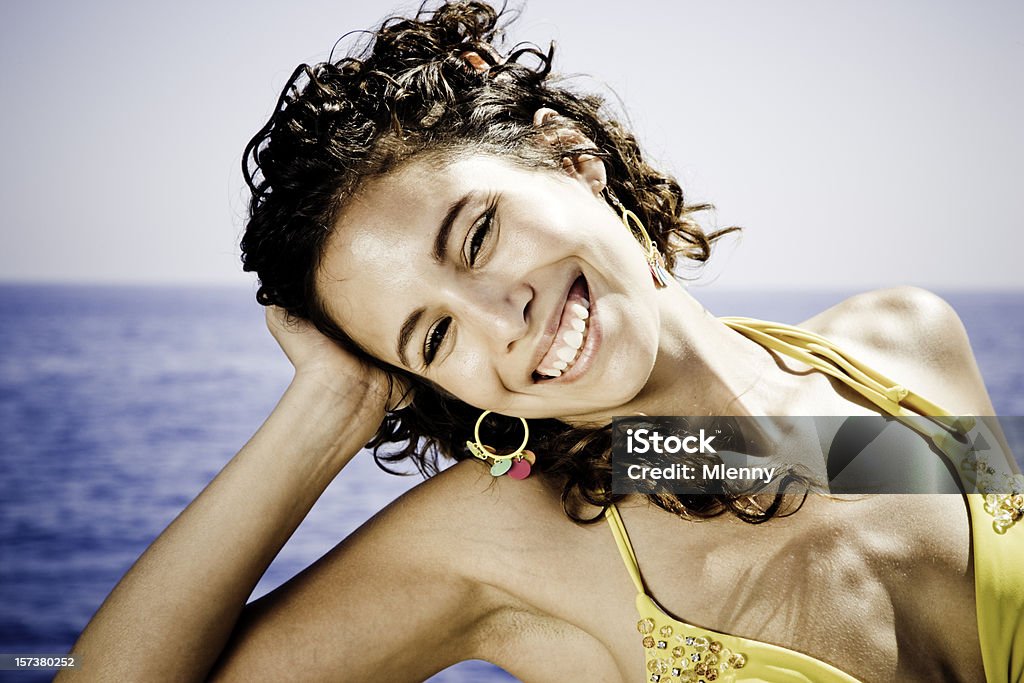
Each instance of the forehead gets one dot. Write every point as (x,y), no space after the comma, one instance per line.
(378,257)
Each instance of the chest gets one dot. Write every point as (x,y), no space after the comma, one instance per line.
(838,581)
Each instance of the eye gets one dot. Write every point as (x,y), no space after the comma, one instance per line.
(435,337)
(479,235)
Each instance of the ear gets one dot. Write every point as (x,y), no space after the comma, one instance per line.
(562,134)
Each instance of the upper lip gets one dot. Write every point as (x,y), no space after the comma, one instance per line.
(547,336)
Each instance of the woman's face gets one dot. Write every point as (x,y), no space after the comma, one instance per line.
(515,290)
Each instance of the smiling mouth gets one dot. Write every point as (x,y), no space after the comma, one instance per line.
(571,335)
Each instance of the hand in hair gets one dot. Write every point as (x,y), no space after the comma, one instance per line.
(321,360)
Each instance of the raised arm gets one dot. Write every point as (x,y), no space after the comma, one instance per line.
(391,602)
(171,616)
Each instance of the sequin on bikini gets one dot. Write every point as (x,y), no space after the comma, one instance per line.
(1007,509)
(1004,492)
(678,654)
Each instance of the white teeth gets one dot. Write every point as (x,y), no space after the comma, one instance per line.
(567,344)
(573,338)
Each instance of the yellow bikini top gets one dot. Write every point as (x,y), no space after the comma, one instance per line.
(678,652)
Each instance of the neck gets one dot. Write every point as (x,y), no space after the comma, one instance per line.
(704,367)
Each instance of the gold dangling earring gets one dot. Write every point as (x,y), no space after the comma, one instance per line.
(655,261)
(517,464)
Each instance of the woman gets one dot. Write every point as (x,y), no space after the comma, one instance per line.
(440,230)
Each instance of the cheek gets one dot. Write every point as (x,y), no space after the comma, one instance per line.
(635,337)
(470,377)
(531,235)
(550,217)
(630,326)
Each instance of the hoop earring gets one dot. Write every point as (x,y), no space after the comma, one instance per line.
(516,464)
(655,262)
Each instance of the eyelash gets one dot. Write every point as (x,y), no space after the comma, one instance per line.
(436,334)
(435,337)
(480,234)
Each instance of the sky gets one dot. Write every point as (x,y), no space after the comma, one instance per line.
(860,144)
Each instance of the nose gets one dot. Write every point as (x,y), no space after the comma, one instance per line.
(498,312)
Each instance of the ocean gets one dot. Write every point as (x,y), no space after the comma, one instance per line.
(119,404)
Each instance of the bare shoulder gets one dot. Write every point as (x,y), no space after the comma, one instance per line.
(904,320)
(424,570)
(457,516)
(466,492)
(509,538)
(456,513)
(915,337)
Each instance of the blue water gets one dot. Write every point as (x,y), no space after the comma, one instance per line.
(117,405)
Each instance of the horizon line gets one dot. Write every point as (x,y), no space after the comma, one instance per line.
(709,287)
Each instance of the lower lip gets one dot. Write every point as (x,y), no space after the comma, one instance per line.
(591,343)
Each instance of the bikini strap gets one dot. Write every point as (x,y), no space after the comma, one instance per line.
(822,354)
(611,513)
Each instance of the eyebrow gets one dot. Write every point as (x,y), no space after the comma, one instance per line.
(406,332)
(439,253)
(445,229)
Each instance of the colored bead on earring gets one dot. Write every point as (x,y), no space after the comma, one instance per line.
(517,464)
(654,259)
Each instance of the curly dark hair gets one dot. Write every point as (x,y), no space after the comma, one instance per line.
(436,85)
